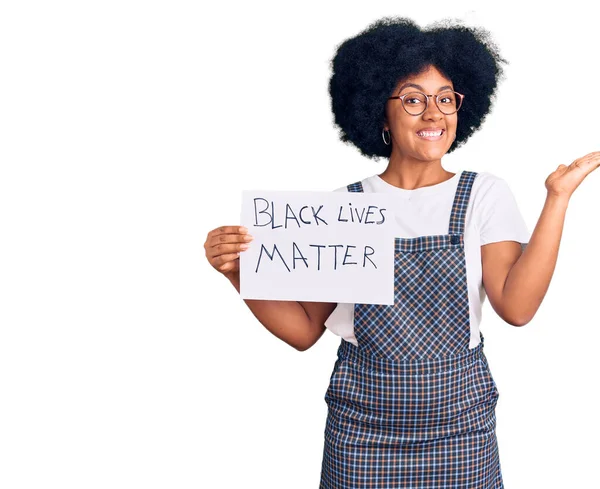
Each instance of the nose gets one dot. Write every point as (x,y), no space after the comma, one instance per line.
(432,112)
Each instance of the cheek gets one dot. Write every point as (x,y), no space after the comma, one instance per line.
(451,128)
(406,130)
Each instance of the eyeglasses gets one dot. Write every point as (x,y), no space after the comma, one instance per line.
(415,103)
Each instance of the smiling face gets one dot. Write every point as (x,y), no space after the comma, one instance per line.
(408,139)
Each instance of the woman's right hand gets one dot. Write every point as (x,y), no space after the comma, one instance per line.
(223,246)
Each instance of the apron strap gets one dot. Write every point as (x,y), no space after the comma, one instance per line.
(461,201)
(355,187)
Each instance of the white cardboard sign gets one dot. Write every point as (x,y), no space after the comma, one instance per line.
(318,247)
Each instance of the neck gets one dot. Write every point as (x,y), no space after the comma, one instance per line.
(411,174)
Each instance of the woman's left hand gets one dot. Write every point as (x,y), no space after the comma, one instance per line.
(565,179)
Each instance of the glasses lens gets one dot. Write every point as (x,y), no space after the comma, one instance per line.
(414,103)
(448,102)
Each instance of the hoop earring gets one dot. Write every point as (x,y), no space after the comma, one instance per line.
(383,136)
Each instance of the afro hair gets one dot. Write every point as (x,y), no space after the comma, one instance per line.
(366,69)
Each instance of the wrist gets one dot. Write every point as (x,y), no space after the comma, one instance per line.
(234,278)
(558,199)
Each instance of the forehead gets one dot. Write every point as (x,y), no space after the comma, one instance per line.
(431,80)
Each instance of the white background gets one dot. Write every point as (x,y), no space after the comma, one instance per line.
(128,132)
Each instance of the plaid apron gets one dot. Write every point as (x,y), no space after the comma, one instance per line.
(412,406)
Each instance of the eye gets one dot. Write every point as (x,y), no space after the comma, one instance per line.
(447,98)
(414,98)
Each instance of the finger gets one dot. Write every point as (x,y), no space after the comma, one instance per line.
(590,157)
(221,260)
(228,230)
(227,243)
(594,158)
(587,163)
(225,248)
(227,264)
(231,238)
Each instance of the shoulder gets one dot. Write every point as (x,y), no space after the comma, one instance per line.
(485,180)
(489,187)
(367,184)
(491,200)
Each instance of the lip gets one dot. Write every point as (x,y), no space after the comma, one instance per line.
(432,129)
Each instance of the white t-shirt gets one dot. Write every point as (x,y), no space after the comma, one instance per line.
(492,215)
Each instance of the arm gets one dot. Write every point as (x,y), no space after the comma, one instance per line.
(299,324)
(516,282)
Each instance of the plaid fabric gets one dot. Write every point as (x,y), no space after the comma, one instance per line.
(412,406)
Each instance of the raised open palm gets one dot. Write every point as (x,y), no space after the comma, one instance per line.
(565,179)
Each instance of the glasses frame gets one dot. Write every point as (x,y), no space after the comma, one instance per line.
(401,97)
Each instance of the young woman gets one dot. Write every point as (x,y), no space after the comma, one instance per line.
(411,400)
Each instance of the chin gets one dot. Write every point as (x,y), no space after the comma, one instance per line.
(435,155)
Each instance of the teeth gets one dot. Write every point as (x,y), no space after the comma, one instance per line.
(430,134)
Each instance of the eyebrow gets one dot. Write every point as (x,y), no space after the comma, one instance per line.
(406,85)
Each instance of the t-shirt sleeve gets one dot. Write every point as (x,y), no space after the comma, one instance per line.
(499,218)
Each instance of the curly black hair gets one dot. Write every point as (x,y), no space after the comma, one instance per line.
(366,69)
